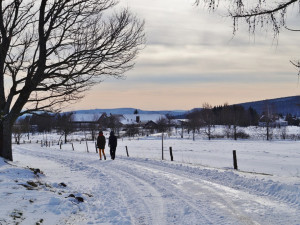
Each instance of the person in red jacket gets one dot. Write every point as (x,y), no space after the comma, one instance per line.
(101,144)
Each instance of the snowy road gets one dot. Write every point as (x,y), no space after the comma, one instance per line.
(143,191)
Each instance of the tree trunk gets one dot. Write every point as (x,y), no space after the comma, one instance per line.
(93,135)
(209,132)
(162,146)
(5,141)
(235,132)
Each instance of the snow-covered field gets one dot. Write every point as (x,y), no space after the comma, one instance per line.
(199,187)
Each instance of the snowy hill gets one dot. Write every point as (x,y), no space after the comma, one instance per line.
(278,105)
(283,105)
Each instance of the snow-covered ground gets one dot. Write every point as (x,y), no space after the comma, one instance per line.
(199,187)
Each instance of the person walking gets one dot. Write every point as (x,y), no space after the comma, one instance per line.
(112,143)
(101,144)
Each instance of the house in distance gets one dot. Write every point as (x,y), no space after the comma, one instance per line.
(120,121)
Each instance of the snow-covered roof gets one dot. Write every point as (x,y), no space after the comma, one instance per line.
(179,121)
(144,118)
(86,117)
(124,119)
(281,120)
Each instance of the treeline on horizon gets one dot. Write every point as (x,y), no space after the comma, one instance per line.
(237,115)
(227,115)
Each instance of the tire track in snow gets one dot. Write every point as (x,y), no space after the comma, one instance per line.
(285,193)
(148,203)
(254,204)
(173,204)
(195,207)
(131,192)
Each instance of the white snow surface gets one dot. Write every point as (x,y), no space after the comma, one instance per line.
(199,187)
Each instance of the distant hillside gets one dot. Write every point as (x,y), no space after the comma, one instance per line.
(129,111)
(278,105)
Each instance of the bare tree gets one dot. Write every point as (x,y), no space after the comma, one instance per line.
(53,51)
(171,122)
(93,126)
(183,125)
(208,119)
(44,122)
(65,124)
(132,130)
(195,121)
(260,14)
(114,123)
(26,123)
(283,132)
(20,128)
(268,119)
(236,118)
(227,120)
(17,131)
(162,125)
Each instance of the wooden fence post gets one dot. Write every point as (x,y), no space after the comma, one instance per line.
(60,144)
(171,153)
(96,147)
(73,147)
(162,146)
(87,147)
(127,151)
(235,166)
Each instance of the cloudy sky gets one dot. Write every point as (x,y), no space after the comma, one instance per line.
(191,57)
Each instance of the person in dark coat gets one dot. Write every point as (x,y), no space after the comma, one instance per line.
(112,143)
(101,144)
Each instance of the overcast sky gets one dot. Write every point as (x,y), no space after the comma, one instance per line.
(191,57)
